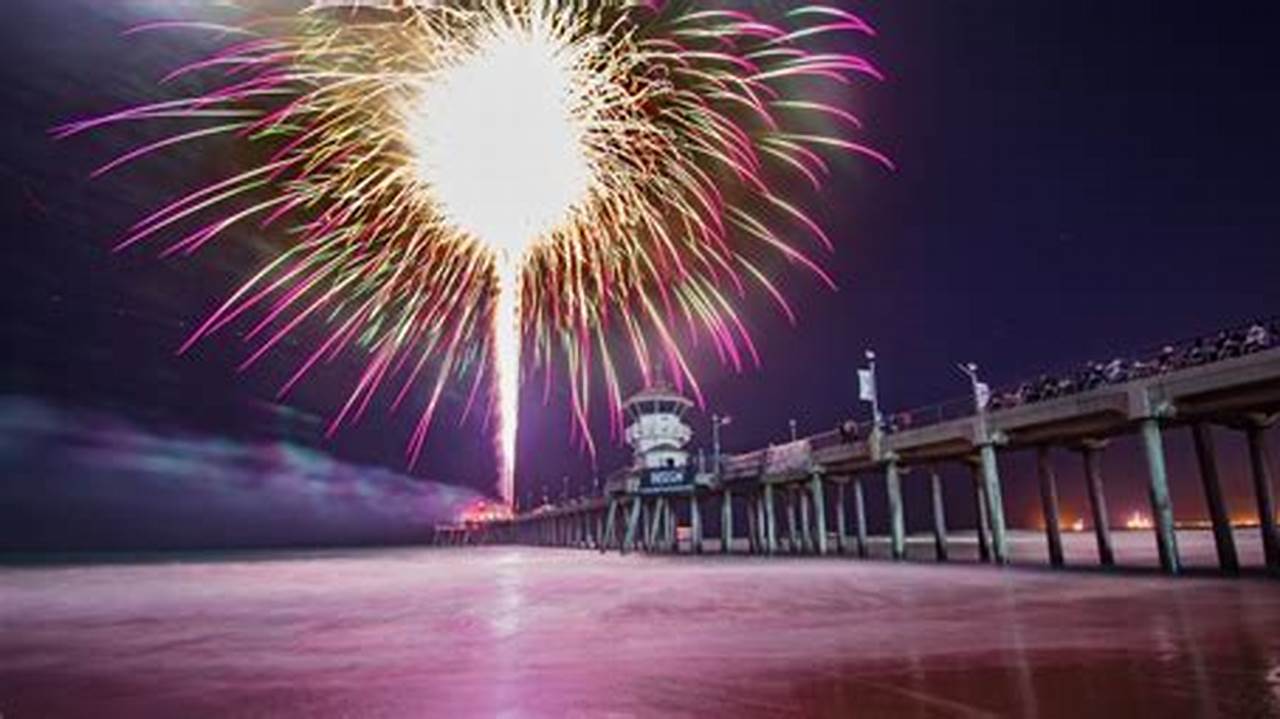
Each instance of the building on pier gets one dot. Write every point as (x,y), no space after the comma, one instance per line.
(659,436)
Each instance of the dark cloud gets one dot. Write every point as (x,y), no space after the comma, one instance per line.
(77,479)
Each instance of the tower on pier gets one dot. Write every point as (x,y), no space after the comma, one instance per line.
(659,436)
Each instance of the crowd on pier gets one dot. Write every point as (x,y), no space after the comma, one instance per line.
(1203,350)
(1226,344)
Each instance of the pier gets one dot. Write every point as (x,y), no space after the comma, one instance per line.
(807,497)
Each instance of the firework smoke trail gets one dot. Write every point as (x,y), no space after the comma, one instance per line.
(460,184)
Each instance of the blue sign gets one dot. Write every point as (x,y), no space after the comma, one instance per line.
(666,480)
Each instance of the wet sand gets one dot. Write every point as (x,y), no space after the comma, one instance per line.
(537,632)
(1134,549)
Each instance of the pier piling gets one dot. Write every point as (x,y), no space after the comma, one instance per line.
(1049,505)
(1161,503)
(1091,451)
(1260,463)
(897,518)
(1223,540)
(939,517)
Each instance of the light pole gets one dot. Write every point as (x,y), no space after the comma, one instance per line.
(981,391)
(792,423)
(717,422)
(868,391)
(726,505)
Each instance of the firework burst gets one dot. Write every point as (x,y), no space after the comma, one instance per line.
(458,180)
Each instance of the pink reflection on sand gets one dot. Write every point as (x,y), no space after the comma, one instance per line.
(525,632)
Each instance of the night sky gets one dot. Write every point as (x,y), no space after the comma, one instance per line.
(1075,180)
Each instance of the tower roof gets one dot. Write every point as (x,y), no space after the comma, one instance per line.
(658,391)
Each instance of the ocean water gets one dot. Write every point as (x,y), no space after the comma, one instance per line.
(549,632)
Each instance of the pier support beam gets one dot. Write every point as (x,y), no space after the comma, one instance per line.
(661,517)
(1092,453)
(660,524)
(761,523)
(642,532)
(939,517)
(695,523)
(754,544)
(995,503)
(860,517)
(806,521)
(633,525)
(1260,462)
(672,538)
(660,540)
(726,522)
(793,545)
(770,521)
(620,526)
(659,510)
(842,521)
(819,513)
(610,523)
(897,517)
(1223,539)
(980,500)
(1049,505)
(1161,504)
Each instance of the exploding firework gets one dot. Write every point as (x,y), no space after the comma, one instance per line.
(456,180)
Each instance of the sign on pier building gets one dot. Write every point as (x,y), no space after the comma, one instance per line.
(667,480)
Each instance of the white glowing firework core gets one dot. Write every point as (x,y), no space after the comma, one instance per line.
(500,148)
(498,141)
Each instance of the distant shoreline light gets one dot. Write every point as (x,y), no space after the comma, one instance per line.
(1138,521)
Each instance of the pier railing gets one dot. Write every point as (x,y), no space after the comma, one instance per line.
(1207,348)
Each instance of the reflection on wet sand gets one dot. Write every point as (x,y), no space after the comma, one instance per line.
(526,632)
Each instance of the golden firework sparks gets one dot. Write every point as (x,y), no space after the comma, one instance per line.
(465,177)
